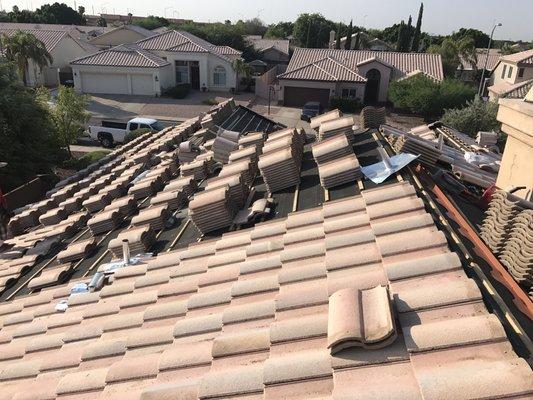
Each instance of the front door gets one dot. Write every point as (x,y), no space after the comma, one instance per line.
(195,74)
(372,86)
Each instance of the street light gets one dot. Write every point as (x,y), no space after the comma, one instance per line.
(482,83)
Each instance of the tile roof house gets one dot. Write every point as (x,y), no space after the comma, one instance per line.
(62,42)
(510,71)
(319,74)
(122,34)
(181,57)
(274,51)
(466,72)
(360,298)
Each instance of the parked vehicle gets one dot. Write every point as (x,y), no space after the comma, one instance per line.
(111,132)
(310,109)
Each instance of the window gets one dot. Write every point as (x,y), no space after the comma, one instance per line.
(503,71)
(144,126)
(520,72)
(219,76)
(182,71)
(349,93)
(510,72)
(133,126)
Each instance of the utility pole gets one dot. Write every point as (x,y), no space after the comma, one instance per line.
(482,82)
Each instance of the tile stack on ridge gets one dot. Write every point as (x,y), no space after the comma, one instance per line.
(53,216)
(280,167)
(238,191)
(146,187)
(328,116)
(196,169)
(340,126)
(140,239)
(97,202)
(427,151)
(337,164)
(187,152)
(77,250)
(105,221)
(246,315)
(154,216)
(372,117)
(252,139)
(187,184)
(212,210)
(125,205)
(173,199)
(223,145)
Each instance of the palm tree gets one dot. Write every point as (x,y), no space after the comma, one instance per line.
(21,47)
(456,53)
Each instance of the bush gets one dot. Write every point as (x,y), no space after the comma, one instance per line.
(476,116)
(423,96)
(210,102)
(345,105)
(179,91)
(135,134)
(85,160)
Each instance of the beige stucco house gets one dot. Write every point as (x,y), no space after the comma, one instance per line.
(320,74)
(516,169)
(510,73)
(63,44)
(120,35)
(152,65)
(273,51)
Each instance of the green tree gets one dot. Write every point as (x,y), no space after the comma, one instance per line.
(28,141)
(21,47)
(152,22)
(69,115)
(280,30)
(475,116)
(338,37)
(455,53)
(415,45)
(480,39)
(348,44)
(423,96)
(59,13)
(402,37)
(101,21)
(312,30)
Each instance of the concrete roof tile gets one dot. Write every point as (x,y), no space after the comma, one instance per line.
(82,381)
(104,348)
(150,337)
(133,368)
(232,382)
(306,327)
(241,342)
(187,390)
(299,366)
(166,310)
(186,356)
(249,312)
(197,325)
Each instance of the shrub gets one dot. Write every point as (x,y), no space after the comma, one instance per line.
(85,160)
(345,105)
(476,116)
(423,96)
(210,102)
(179,91)
(135,134)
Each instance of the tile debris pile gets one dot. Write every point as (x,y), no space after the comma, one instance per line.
(281,159)
(251,314)
(372,117)
(467,162)
(336,161)
(508,231)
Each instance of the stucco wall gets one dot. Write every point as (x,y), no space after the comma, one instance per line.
(385,77)
(114,38)
(497,75)
(273,55)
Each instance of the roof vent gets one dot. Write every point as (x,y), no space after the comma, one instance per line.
(360,318)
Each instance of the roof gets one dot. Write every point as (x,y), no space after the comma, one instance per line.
(50,37)
(493,58)
(135,28)
(515,91)
(124,55)
(342,65)
(182,41)
(261,44)
(254,312)
(523,57)
(38,26)
(142,120)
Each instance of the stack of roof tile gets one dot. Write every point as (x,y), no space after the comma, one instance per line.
(53,216)
(50,276)
(328,116)
(427,151)
(153,216)
(212,210)
(339,126)
(249,153)
(372,117)
(20,222)
(237,189)
(340,171)
(186,184)
(195,169)
(105,221)
(517,254)
(77,250)
(252,139)
(140,239)
(146,187)
(246,168)
(173,199)
(222,147)
(125,205)
(487,139)
(97,202)
(331,149)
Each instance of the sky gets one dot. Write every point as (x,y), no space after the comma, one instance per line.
(440,16)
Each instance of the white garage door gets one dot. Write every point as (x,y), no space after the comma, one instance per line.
(142,84)
(104,83)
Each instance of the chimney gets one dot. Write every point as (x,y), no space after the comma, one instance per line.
(332,39)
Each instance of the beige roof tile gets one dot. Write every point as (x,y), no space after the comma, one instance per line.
(166,310)
(20,370)
(297,366)
(299,328)
(83,381)
(232,382)
(241,342)
(133,368)
(249,312)
(198,325)
(123,321)
(186,356)
(104,348)
(187,390)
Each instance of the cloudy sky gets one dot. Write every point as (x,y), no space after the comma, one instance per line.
(440,16)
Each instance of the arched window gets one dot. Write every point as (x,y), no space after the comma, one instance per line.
(219,76)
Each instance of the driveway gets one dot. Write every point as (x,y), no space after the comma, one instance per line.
(123,107)
(288,116)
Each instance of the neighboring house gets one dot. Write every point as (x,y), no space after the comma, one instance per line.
(273,51)
(62,43)
(195,61)
(370,43)
(320,74)
(120,35)
(467,71)
(124,69)
(511,71)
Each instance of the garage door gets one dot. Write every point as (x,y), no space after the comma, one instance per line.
(298,96)
(104,83)
(142,84)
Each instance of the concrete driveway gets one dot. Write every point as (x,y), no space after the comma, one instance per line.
(288,116)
